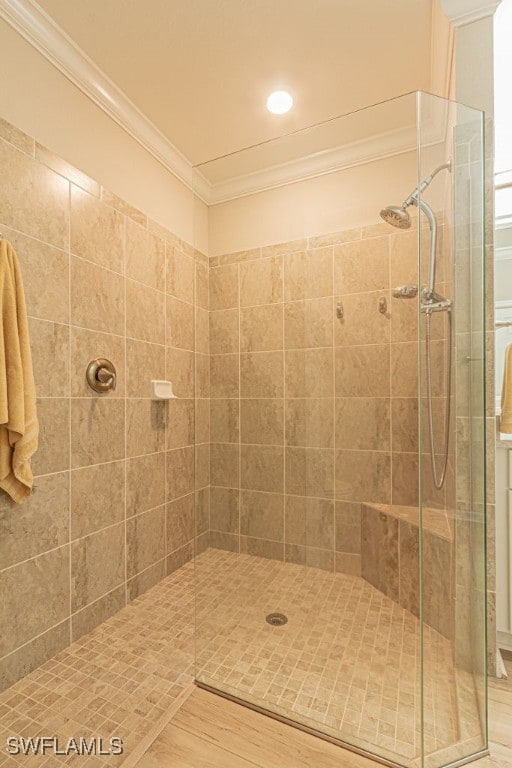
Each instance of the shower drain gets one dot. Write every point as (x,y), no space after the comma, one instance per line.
(277,619)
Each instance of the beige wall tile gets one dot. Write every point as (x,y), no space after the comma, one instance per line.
(224,374)
(63,168)
(309,373)
(280,248)
(261,281)
(180,274)
(224,287)
(361,266)
(363,476)
(202,375)
(347,563)
(404,420)
(180,522)
(53,452)
(262,468)
(404,486)
(97,230)
(262,421)
(261,374)
(202,330)
(145,313)
(179,324)
(308,324)
(42,264)
(261,328)
(49,343)
(227,541)
(333,238)
(145,426)
(30,656)
(202,286)
(145,580)
(145,483)
(310,522)
(404,369)
(145,256)
(225,509)
(96,613)
(202,466)
(179,558)
(202,511)
(179,368)
(262,515)
(362,323)
(101,307)
(180,421)
(17,138)
(274,550)
(310,472)
(180,472)
(362,371)
(308,274)
(202,421)
(33,198)
(97,565)
(38,525)
(348,527)
(224,420)
(145,540)
(310,422)
(223,331)
(88,345)
(363,423)
(97,497)
(144,361)
(404,320)
(379,551)
(97,431)
(131,213)
(224,465)
(35,597)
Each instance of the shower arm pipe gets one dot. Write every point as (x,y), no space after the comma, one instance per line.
(413,197)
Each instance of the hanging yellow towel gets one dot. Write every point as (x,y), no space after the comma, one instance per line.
(19,428)
(506,394)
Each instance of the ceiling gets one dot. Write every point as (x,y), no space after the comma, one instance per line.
(201,70)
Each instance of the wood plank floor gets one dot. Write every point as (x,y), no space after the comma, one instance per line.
(211,732)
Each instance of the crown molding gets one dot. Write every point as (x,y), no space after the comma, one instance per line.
(377,147)
(39,29)
(461,12)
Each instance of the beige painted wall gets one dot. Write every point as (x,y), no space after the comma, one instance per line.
(330,203)
(43,103)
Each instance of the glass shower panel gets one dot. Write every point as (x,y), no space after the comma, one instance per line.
(309,603)
(452,416)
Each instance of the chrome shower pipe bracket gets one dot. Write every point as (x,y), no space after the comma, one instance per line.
(340,312)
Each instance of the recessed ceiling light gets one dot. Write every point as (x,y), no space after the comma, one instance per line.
(279,102)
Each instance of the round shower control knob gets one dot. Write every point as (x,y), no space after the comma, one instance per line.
(101,375)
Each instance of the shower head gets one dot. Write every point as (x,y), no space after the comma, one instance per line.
(396,216)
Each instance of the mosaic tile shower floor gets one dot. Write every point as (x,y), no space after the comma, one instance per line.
(346,663)
(347,659)
(118,680)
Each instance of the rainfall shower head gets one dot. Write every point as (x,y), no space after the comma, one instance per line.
(396,216)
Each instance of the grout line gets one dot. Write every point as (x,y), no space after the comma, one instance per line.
(70,510)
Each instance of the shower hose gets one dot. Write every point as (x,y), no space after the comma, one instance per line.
(439,479)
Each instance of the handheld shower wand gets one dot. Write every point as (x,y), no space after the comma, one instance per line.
(431,302)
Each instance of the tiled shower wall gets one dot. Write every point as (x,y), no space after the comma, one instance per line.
(113,508)
(312,414)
